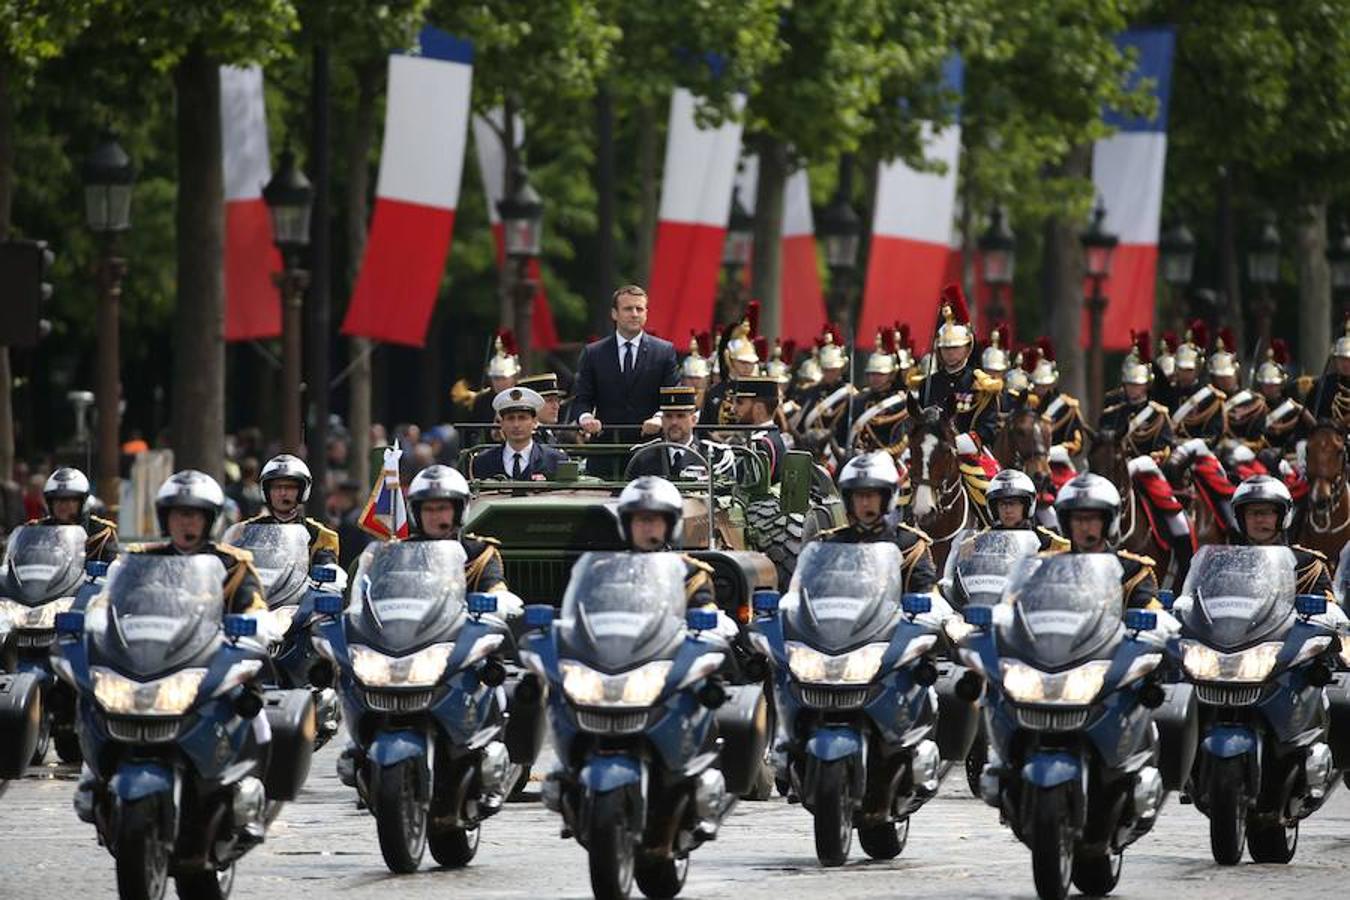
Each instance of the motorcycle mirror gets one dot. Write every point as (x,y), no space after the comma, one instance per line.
(1140,620)
(538,615)
(1167,598)
(96,568)
(1309,605)
(701,619)
(916,604)
(323,574)
(480,603)
(979,616)
(765,603)
(70,623)
(328,604)
(237,626)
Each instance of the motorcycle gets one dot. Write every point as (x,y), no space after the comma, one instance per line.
(1073,761)
(419,670)
(853,662)
(43,574)
(180,740)
(1260,658)
(632,689)
(281,558)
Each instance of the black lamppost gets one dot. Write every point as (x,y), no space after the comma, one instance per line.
(1099,248)
(522,215)
(290,197)
(108,181)
(737,248)
(1263,271)
(1338,258)
(998,257)
(1176,253)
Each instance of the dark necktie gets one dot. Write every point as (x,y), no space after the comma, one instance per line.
(516,469)
(628,358)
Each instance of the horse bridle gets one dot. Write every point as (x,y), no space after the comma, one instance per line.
(1319,515)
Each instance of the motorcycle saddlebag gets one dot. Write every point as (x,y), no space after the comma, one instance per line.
(290,713)
(1338,734)
(743,725)
(527,721)
(958,720)
(20,722)
(1178,721)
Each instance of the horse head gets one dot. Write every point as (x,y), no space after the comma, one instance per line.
(931,459)
(1325,455)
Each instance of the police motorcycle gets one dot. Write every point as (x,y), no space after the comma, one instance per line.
(419,672)
(976,573)
(281,558)
(1073,759)
(43,575)
(1260,658)
(853,662)
(633,696)
(188,758)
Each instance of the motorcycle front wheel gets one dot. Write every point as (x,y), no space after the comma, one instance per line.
(1097,874)
(453,847)
(884,841)
(400,805)
(661,878)
(1051,844)
(142,853)
(1272,843)
(1228,811)
(611,852)
(215,885)
(834,813)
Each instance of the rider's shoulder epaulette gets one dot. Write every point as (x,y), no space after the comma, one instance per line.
(1058,542)
(1158,407)
(238,554)
(986,383)
(325,538)
(147,547)
(918,532)
(698,564)
(490,541)
(105,523)
(1137,557)
(835,530)
(1310,551)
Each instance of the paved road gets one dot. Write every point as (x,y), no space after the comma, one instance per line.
(321,846)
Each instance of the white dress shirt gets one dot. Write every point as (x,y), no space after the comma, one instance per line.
(509,458)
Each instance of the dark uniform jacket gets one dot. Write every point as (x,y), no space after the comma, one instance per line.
(918,574)
(717,407)
(101,543)
(483,570)
(652,463)
(1066,421)
(1199,413)
(323,541)
(1152,434)
(977,399)
(1050,541)
(242,588)
(1138,583)
(543,461)
(1330,399)
(769,442)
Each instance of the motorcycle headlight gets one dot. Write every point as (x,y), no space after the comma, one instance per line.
(585,686)
(1204,663)
(860,666)
(1077,686)
(41,617)
(169,696)
(421,669)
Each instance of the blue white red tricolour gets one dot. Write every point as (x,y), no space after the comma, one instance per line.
(386,512)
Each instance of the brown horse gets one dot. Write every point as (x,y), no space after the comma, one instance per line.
(1107,457)
(1325,523)
(940,503)
(1023,442)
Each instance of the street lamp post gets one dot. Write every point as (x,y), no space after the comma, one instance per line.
(289,197)
(108,180)
(1338,258)
(1263,271)
(522,215)
(1176,252)
(1099,247)
(998,257)
(840,232)
(737,248)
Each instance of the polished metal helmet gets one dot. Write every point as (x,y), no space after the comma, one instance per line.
(881,361)
(438,483)
(1271,372)
(1016,380)
(1046,373)
(873,471)
(1090,492)
(1263,489)
(1222,362)
(66,482)
(776,368)
(189,489)
(952,333)
(504,363)
(994,360)
(1166,359)
(1190,355)
(832,355)
(651,493)
(1012,484)
(695,365)
(1342,346)
(286,467)
(1135,371)
(808,372)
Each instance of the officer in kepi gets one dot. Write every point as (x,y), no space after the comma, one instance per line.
(66,494)
(757,404)
(868,485)
(1264,510)
(286,484)
(1089,512)
(686,459)
(1012,500)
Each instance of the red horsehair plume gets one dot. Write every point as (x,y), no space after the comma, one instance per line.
(1031,355)
(1169,340)
(508,339)
(1199,333)
(953,296)
(1046,348)
(903,337)
(1143,347)
(762,347)
(789,351)
(704,341)
(752,316)
(1279,351)
(1226,340)
(888,341)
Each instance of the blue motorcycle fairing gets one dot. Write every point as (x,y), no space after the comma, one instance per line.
(901,707)
(137,780)
(467,708)
(468,634)
(1229,741)
(216,738)
(1298,635)
(830,743)
(689,653)
(603,773)
(772,629)
(682,731)
(1047,770)
(904,632)
(38,667)
(1126,652)
(984,645)
(389,748)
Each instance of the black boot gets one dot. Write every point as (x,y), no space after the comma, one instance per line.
(1181,555)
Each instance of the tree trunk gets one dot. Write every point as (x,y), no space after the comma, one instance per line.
(198,411)
(1063,285)
(6,206)
(1230,307)
(1314,286)
(320,287)
(649,195)
(767,263)
(369,78)
(604,195)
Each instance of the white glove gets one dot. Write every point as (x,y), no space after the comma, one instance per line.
(509,606)
(966,446)
(1144,465)
(1192,449)
(1059,456)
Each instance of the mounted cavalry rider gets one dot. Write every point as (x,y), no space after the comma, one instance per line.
(1061,410)
(1287,421)
(1089,508)
(739,359)
(1331,395)
(824,406)
(880,414)
(66,495)
(1012,500)
(868,485)
(1198,411)
(679,415)
(1145,432)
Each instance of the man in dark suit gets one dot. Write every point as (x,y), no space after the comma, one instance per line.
(679,415)
(619,378)
(520,457)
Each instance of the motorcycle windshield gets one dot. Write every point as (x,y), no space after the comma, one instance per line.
(407,595)
(980,566)
(1241,595)
(281,556)
(1066,607)
(43,563)
(162,611)
(621,610)
(847,594)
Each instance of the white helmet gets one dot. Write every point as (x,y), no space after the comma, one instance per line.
(651,493)
(66,482)
(189,489)
(873,471)
(1012,484)
(1090,492)
(1263,489)
(438,483)
(285,467)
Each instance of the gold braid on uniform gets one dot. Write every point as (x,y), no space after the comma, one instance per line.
(1340,406)
(480,562)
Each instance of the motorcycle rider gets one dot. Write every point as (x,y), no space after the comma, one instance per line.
(1264,510)
(1012,500)
(868,485)
(438,500)
(66,494)
(1088,507)
(651,520)
(286,483)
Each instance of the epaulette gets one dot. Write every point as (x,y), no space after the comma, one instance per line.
(985,383)
(1310,551)
(237,553)
(1137,557)
(1058,542)
(490,541)
(326,538)
(104,522)
(835,530)
(698,564)
(251,520)
(1158,407)
(919,532)
(147,546)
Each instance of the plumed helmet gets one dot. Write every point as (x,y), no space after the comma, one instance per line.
(66,482)
(1090,493)
(1135,371)
(994,360)
(954,329)
(438,483)
(882,359)
(286,467)
(1273,371)
(1045,373)
(696,364)
(651,493)
(779,366)
(831,350)
(189,489)
(1012,484)
(505,362)
(873,471)
(808,373)
(1263,489)
(1190,355)
(1167,350)
(1223,362)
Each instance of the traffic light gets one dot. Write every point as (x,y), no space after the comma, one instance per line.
(25,267)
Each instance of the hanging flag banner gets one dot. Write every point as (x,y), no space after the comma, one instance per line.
(1127,171)
(252,304)
(914,233)
(487,142)
(695,205)
(425,131)
(386,512)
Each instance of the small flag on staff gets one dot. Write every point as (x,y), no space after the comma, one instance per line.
(386,512)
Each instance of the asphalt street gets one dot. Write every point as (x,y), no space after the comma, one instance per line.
(322,846)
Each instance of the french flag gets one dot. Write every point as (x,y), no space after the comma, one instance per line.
(1127,171)
(252,305)
(695,205)
(425,131)
(915,245)
(487,143)
(386,512)
(803,300)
